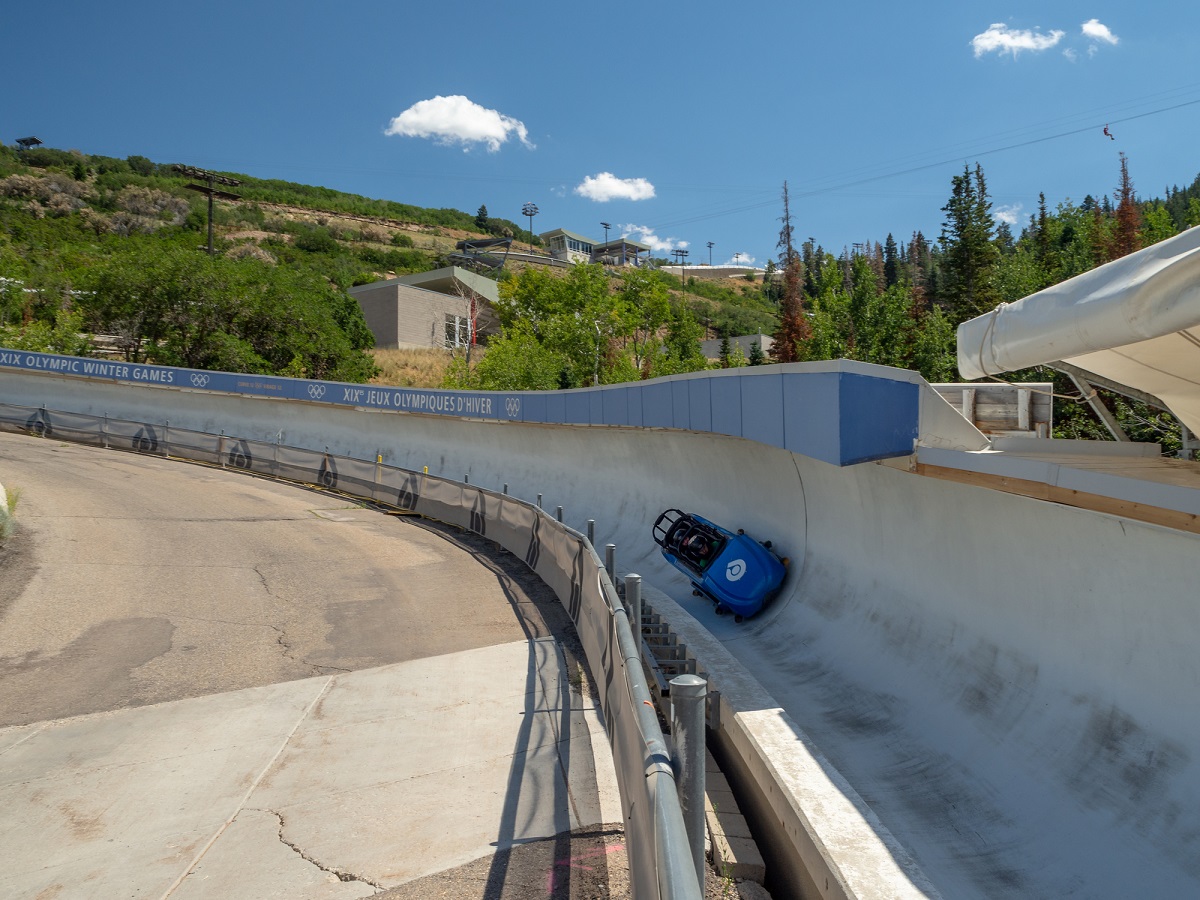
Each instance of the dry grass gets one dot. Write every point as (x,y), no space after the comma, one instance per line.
(8,510)
(411,368)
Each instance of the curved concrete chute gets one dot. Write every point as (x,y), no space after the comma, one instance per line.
(1003,686)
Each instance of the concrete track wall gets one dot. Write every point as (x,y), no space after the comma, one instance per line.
(1008,685)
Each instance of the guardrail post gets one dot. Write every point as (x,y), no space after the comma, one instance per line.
(559,514)
(610,562)
(633,602)
(591,531)
(539,501)
(687,727)
(467,478)
(221,449)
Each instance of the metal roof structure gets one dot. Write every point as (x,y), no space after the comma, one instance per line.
(450,279)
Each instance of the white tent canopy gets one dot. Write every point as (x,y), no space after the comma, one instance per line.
(1134,321)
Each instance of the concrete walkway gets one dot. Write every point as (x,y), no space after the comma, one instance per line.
(215,686)
(335,786)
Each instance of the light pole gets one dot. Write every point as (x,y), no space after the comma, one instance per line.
(736,257)
(530,210)
(710,246)
(605,226)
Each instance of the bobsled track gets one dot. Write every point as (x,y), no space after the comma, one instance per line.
(1001,689)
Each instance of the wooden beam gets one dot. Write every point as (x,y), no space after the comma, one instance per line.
(1038,490)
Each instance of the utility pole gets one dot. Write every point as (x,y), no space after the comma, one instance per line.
(210,179)
(710,246)
(681,260)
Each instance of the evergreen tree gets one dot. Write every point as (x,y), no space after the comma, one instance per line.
(785,243)
(725,351)
(1193,212)
(891,263)
(847,269)
(481,218)
(1005,242)
(1127,238)
(874,255)
(919,264)
(970,252)
(1042,249)
(810,255)
(757,357)
(793,326)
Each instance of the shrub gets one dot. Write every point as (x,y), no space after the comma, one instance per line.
(20,186)
(316,240)
(45,157)
(153,203)
(374,234)
(400,239)
(251,251)
(94,221)
(127,223)
(248,214)
(140,165)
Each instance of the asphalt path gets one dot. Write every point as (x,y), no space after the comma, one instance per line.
(134,581)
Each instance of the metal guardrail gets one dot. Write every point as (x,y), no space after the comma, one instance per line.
(660,858)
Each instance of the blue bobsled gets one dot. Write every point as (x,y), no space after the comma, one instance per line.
(736,572)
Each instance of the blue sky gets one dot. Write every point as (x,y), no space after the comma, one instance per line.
(677,124)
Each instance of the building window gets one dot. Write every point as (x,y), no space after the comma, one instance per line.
(458,331)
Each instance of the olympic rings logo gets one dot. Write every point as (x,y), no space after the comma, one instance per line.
(316,391)
(199,380)
(512,406)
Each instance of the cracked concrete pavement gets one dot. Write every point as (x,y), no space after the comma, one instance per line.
(219,686)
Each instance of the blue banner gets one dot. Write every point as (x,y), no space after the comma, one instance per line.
(467,404)
(841,412)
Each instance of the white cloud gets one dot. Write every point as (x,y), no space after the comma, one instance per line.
(1070,54)
(1094,30)
(457,120)
(607,186)
(1010,214)
(643,234)
(743,259)
(1002,39)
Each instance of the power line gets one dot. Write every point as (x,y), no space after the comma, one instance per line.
(839,186)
